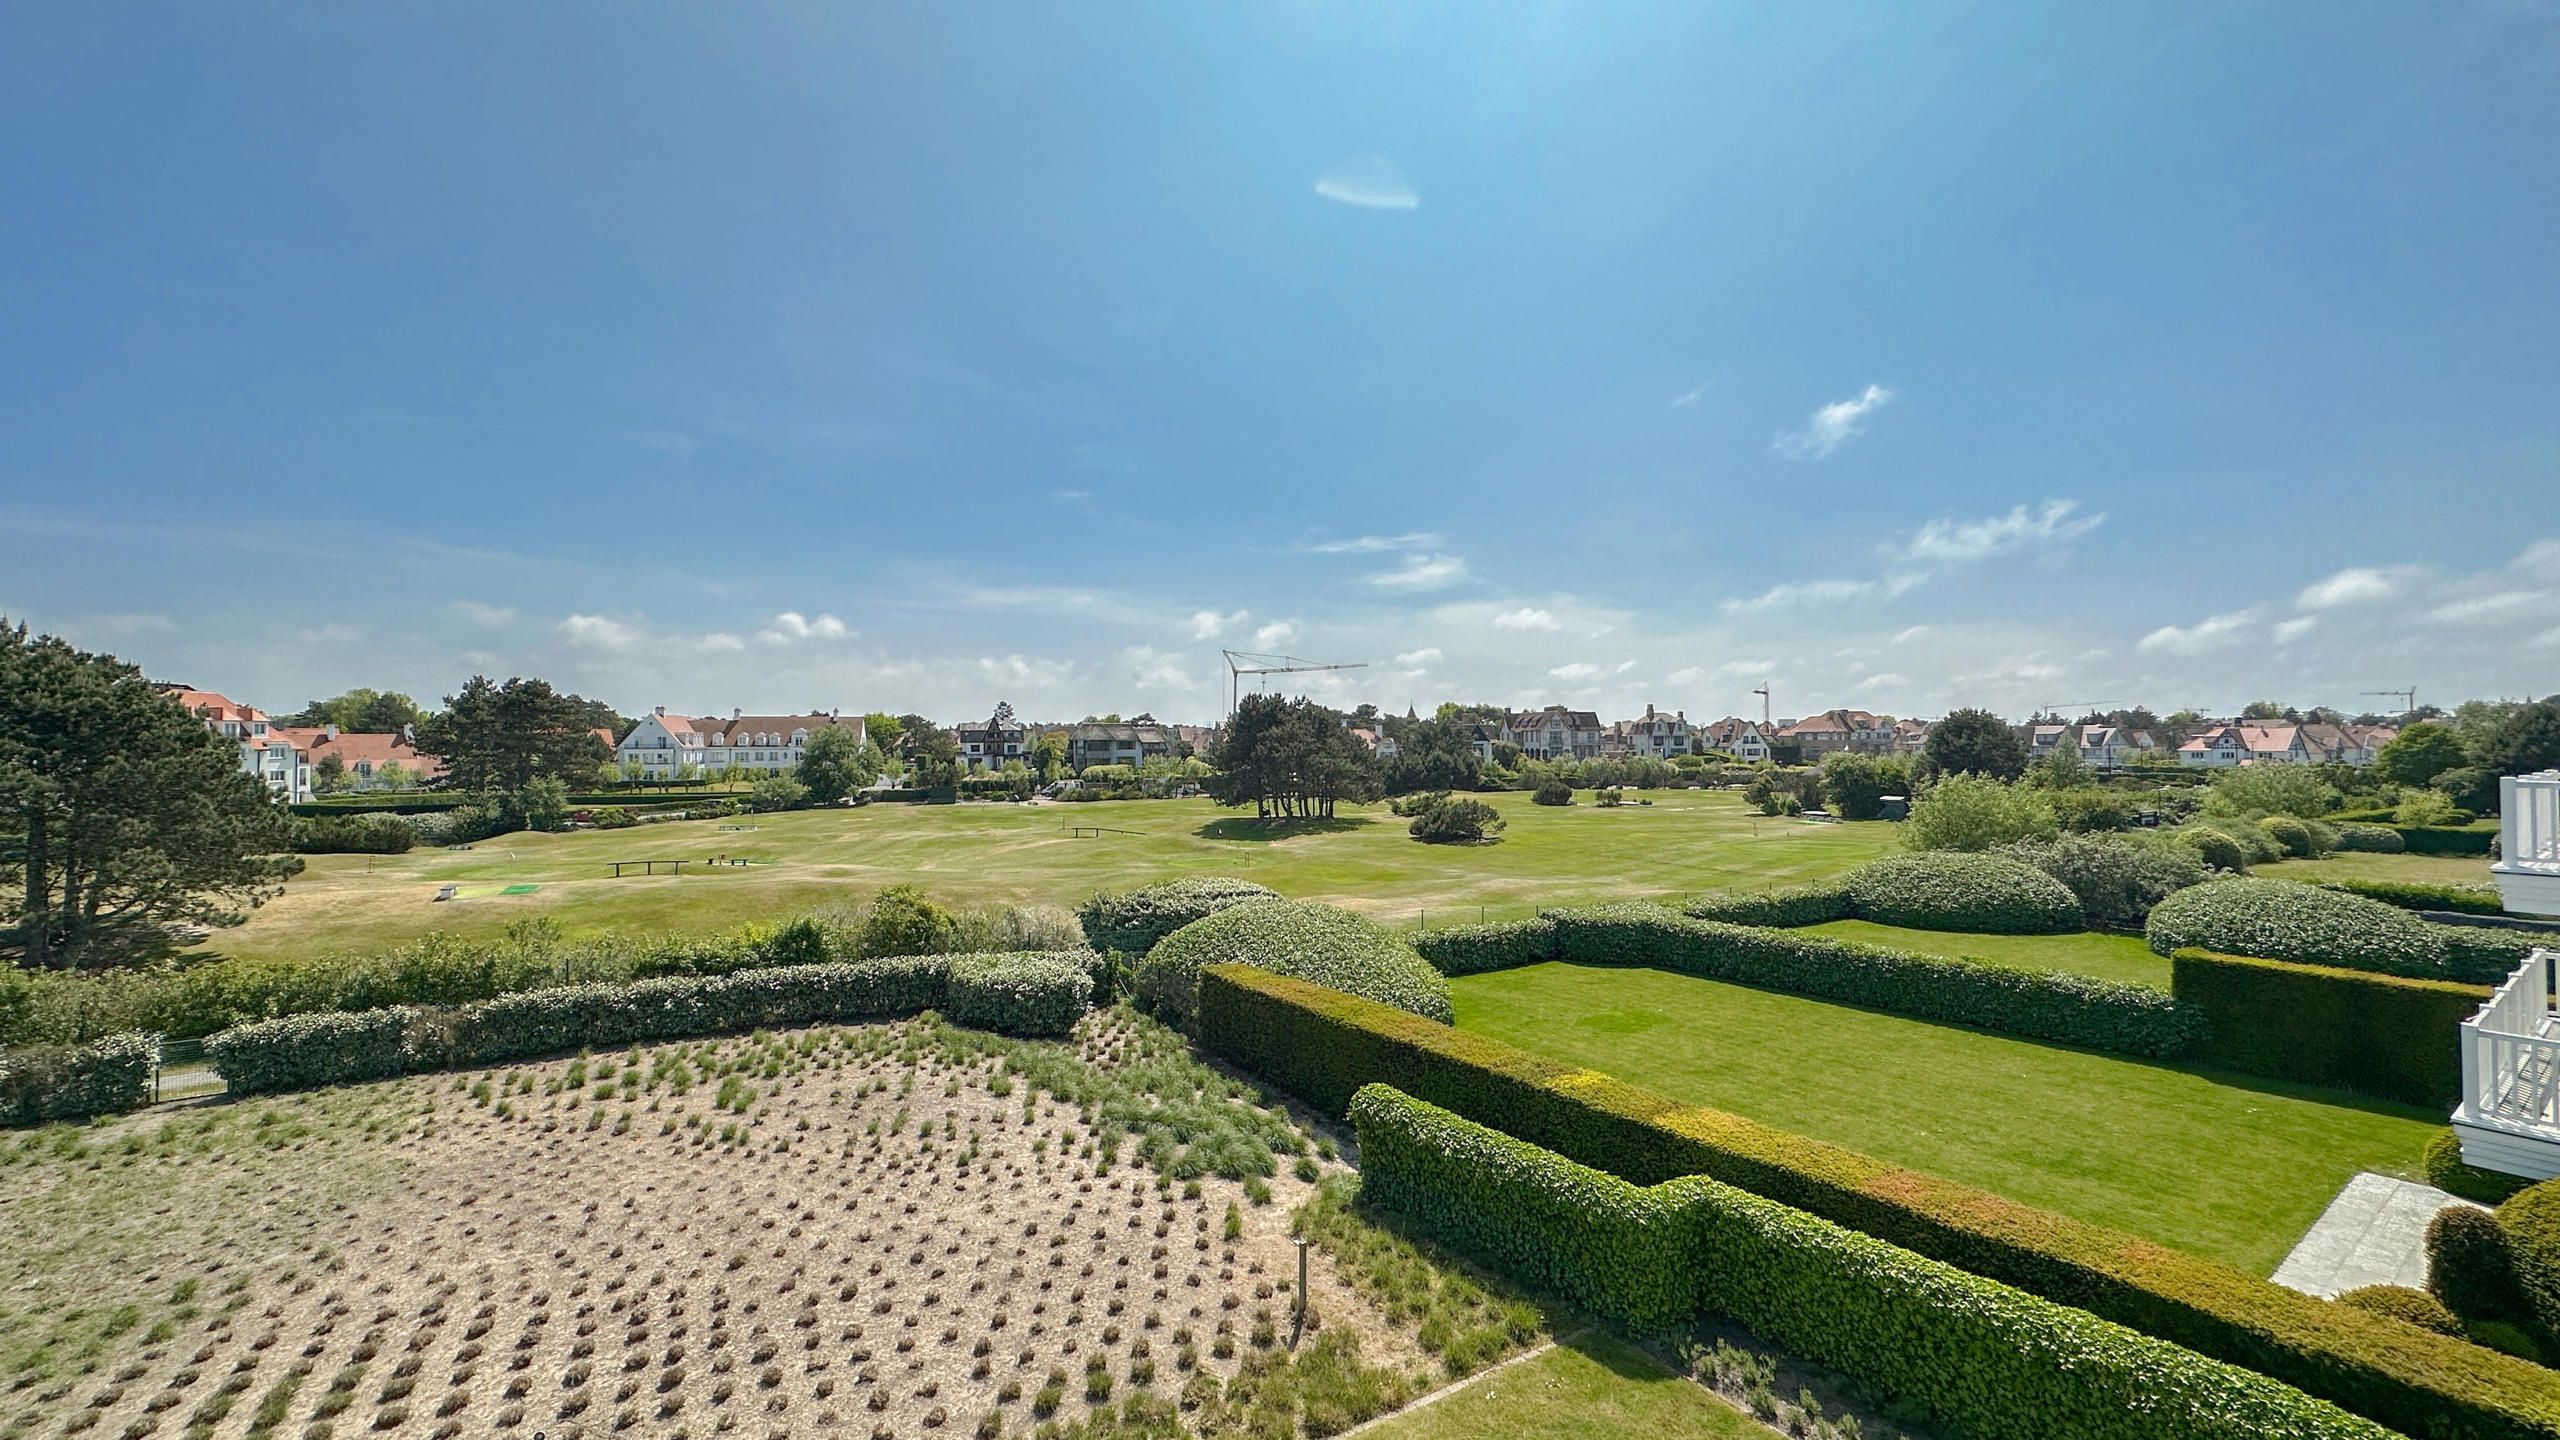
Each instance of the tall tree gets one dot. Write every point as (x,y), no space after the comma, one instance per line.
(884,730)
(498,738)
(1435,754)
(126,823)
(2421,753)
(833,764)
(2520,739)
(1290,759)
(1973,742)
(933,756)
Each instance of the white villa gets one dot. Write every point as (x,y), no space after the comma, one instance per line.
(662,745)
(2509,1116)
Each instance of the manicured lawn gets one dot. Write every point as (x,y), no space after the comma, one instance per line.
(1687,842)
(1597,1387)
(2225,1166)
(2362,865)
(2108,957)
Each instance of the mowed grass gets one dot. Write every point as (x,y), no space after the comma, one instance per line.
(1592,1387)
(2217,1164)
(1687,842)
(2470,870)
(2123,958)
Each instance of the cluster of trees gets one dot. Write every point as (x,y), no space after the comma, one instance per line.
(1291,759)
(2463,758)
(364,710)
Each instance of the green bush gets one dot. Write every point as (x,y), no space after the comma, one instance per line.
(1455,821)
(2116,880)
(2088,811)
(2429,840)
(1968,1355)
(2044,1005)
(1788,909)
(2409,895)
(2384,1035)
(2218,850)
(2508,1338)
(45,1083)
(2482,954)
(2370,839)
(301,1052)
(1985,894)
(902,920)
(1324,1046)
(2531,1220)
(2417,1307)
(1475,949)
(2447,1171)
(1311,941)
(1977,812)
(2425,807)
(1134,920)
(1019,994)
(2288,920)
(352,835)
(2290,835)
(1552,792)
(2471,1268)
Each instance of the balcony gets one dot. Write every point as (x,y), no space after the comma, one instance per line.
(2509,1118)
(2528,866)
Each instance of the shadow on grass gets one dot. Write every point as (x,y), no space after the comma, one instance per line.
(1266,831)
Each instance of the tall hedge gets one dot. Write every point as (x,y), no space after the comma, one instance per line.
(1972,1356)
(2044,1005)
(2384,1035)
(1132,921)
(1313,941)
(44,1083)
(2411,895)
(1960,890)
(1791,908)
(1324,1046)
(2288,920)
(1477,949)
(1018,994)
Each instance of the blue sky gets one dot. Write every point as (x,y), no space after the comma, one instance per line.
(914,357)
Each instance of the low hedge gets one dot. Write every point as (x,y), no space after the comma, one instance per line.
(2531,1220)
(2447,1171)
(369,834)
(1018,994)
(2043,1005)
(1792,908)
(2448,840)
(2401,1302)
(2471,1267)
(2354,835)
(1476,949)
(1324,1046)
(1312,941)
(2288,920)
(2409,895)
(1966,1354)
(302,1051)
(1132,921)
(45,1083)
(2384,1035)
(1957,890)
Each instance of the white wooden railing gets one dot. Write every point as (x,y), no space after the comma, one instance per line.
(2510,1061)
(2529,833)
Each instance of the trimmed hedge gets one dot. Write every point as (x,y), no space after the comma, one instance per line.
(2531,1220)
(2408,895)
(2400,1302)
(1312,941)
(2044,1005)
(1018,994)
(1972,1356)
(2116,879)
(2288,920)
(44,1083)
(1792,908)
(2384,1035)
(2448,840)
(1958,890)
(2472,1268)
(1134,920)
(303,1051)
(2447,1171)
(1324,1046)
(1476,949)
(2357,835)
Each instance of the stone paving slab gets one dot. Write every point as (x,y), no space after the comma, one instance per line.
(2374,1233)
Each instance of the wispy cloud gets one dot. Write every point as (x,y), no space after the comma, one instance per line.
(1416,659)
(1371,182)
(1071,496)
(1378,544)
(2288,631)
(1578,670)
(1801,593)
(1153,669)
(333,633)
(1967,542)
(2497,606)
(791,627)
(1278,632)
(1016,670)
(1691,396)
(491,616)
(1422,572)
(1885,681)
(2212,633)
(1527,617)
(1210,625)
(2358,586)
(1832,426)
(600,632)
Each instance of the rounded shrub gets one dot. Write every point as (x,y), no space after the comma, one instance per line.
(2288,920)
(1455,821)
(2448,1172)
(2290,834)
(2371,839)
(2508,1338)
(1134,920)
(2117,879)
(2218,850)
(2470,1267)
(1299,938)
(1018,994)
(1958,890)
(2531,1220)
(2402,1303)
(1553,792)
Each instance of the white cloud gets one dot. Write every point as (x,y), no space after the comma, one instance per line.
(1422,572)
(2357,586)
(1882,682)
(600,632)
(1578,670)
(1371,182)
(1831,427)
(1527,617)
(2212,633)
(790,627)
(1427,655)
(1278,632)
(1909,633)
(491,616)
(1692,395)
(1152,669)
(1796,593)
(1016,670)
(2288,631)
(2494,607)
(332,634)
(1209,624)
(1966,542)
(2542,557)
(719,643)
(1376,544)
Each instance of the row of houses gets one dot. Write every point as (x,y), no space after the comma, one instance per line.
(662,744)
(2250,742)
(291,758)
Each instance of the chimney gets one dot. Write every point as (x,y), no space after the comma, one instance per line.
(736,714)
(328,732)
(409,734)
(662,710)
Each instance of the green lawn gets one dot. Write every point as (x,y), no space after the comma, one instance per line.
(1687,842)
(2226,1166)
(2108,957)
(1595,1387)
(2364,865)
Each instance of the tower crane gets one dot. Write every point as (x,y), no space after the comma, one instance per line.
(2408,698)
(1242,663)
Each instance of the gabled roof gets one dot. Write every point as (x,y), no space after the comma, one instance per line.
(376,749)
(1540,719)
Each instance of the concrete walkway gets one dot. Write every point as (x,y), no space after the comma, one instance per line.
(2374,1233)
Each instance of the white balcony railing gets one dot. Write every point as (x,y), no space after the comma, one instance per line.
(2528,866)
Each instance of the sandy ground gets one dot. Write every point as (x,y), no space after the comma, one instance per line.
(837,1243)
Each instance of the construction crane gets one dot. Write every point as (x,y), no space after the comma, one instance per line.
(1241,664)
(2408,698)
